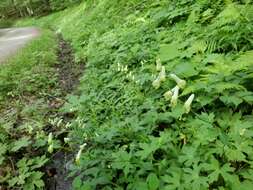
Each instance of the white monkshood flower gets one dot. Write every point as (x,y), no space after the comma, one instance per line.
(66,140)
(162,74)
(158,64)
(167,95)
(174,97)
(50,138)
(187,104)
(50,148)
(156,83)
(181,83)
(78,156)
(82,146)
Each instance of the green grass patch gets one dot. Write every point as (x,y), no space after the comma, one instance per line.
(28,81)
(6,23)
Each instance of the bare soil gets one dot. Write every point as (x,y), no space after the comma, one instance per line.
(69,73)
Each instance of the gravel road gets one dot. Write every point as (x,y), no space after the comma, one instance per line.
(13,39)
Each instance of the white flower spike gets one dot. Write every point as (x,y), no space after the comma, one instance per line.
(50,148)
(50,138)
(158,64)
(174,98)
(181,83)
(168,95)
(162,74)
(78,156)
(156,83)
(187,104)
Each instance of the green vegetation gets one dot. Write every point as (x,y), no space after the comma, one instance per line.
(22,8)
(129,129)
(27,81)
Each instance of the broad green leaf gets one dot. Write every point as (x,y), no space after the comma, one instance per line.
(168,52)
(153,181)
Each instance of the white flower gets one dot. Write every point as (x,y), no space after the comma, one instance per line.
(181,83)
(82,146)
(78,156)
(158,64)
(66,140)
(50,148)
(162,74)
(156,83)
(174,97)
(50,138)
(187,104)
(168,95)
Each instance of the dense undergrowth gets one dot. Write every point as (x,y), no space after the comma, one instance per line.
(130,136)
(28,84)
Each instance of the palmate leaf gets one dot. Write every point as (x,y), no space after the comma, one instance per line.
(245,185)
(193,178)
(122,161)
(173,179)
(155,143)
(231,100)
(215,170)
(34,181)
(189,155)
(153,181)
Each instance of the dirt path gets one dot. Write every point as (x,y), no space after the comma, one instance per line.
(12,39)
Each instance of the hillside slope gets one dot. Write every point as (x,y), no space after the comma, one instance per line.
(134,137)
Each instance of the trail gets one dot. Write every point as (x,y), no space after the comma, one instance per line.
(13,39)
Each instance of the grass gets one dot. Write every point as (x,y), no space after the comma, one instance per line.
(6,23)
(128,135)
(28,83)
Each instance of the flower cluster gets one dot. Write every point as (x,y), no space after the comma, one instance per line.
(172,95)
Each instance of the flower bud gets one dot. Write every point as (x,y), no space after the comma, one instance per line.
(174,98)
(156,83)
(187,104)
(158,64)
(50,148)
(181,83)
(162,75)
(66,140)
(50,138)
(78,156)
(167,95)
